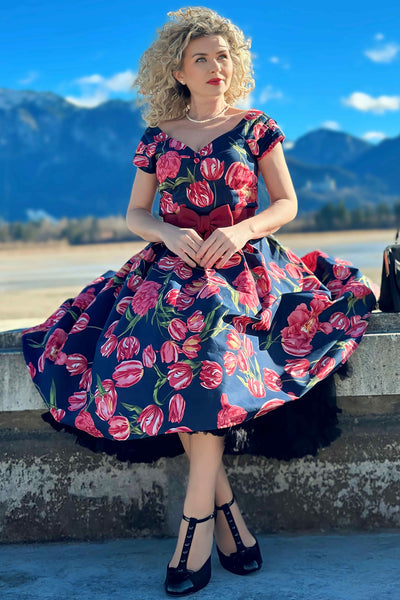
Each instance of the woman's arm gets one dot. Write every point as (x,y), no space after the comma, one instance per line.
(283,207)
(138,217)
(224,242)
(183,242)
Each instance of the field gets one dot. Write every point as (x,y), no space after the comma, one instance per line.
(35,279)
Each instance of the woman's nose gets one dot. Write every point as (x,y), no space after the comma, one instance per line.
(213,65)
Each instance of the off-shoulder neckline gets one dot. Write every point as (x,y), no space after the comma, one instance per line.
(244,118)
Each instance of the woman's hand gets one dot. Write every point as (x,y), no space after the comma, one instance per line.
(224,242)
(183,242)
(217,249)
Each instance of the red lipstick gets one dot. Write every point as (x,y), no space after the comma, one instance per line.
(214,81)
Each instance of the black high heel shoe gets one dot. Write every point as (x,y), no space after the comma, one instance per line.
(246,559)
(181,581)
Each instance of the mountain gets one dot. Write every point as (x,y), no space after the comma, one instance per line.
(371,165)
(330,165)
(327,147)
(63,160)
(381,162)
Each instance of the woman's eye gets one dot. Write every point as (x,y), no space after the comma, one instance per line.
(203,58)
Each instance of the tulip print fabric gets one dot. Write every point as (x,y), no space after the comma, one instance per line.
(159,347)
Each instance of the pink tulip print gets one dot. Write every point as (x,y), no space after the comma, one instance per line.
(160,346)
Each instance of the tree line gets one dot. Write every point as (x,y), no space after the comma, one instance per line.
(332,216)
(336,216)
(86,230)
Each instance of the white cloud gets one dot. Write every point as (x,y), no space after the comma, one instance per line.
(32,76)
(275,60)
(90,80)
(367,103)
(88,101)
(385,54)
(334,125)
(268,93)
(374,136)
(379,37)
(96,89)
(246,103)
(289,145)
(120,82)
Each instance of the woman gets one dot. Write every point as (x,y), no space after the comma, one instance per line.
(213,324)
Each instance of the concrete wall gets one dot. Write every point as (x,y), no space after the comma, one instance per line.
(52,489)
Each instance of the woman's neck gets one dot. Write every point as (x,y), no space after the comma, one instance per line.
(204,109)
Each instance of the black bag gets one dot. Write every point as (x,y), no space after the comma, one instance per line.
(389,300)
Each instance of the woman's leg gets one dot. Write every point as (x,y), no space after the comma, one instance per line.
(223,494)
(223,535)
(205,455)
(185,440)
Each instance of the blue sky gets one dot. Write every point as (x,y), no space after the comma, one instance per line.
(333,64)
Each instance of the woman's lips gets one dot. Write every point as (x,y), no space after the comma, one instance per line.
(214,81)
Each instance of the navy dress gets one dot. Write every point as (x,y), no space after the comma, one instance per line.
(160,347)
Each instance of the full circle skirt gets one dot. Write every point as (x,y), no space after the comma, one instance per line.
(159,348)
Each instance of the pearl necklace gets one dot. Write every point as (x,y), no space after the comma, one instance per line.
(205,120)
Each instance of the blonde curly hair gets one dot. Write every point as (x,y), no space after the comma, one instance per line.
(166,98)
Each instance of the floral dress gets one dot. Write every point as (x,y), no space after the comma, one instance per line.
(160,347)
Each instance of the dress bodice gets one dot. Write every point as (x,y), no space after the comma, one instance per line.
(225,171)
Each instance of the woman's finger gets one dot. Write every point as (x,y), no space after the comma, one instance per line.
(208,258)
(193,245)
(223,260)
(186,258)
(217,249)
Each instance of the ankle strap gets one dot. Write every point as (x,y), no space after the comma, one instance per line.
(226,505)
(195,521)
(189,537)
(232,525)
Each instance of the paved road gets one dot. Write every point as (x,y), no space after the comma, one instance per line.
(308,567)
(59,268)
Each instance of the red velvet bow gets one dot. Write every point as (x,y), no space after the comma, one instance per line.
(221,216)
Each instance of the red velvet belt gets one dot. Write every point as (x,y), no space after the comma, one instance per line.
(222,216)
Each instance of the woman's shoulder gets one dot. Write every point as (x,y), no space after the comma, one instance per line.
(253,114)
(259,123)
(261,132)
(171,124)
(167,122)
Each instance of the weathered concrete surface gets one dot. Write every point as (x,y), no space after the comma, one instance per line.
(52,489)
(17,389)
(317,567)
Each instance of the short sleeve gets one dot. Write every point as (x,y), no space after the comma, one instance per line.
(264,135)
(144,157)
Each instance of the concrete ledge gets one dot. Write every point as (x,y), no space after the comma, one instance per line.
(53,489)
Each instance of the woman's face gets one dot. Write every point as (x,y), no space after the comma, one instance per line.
(207,67)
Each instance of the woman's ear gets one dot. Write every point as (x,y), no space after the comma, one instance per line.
(179,77)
